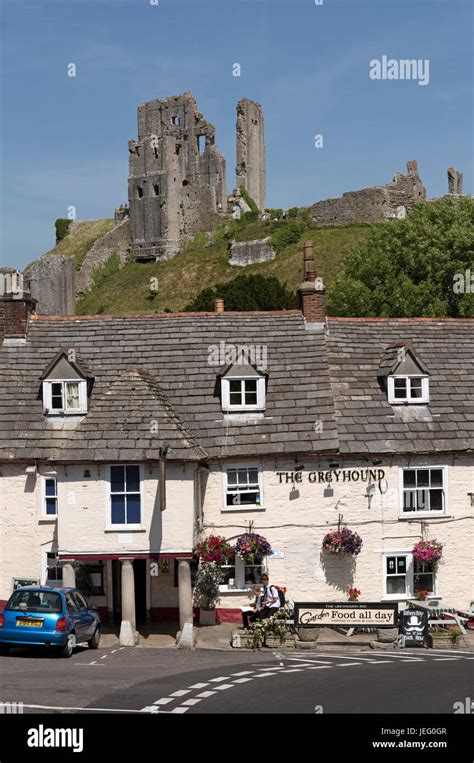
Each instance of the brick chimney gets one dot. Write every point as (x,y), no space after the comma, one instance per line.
(219,305)
(15,311)
(312,290)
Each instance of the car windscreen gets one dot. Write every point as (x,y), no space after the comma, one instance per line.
(35,601)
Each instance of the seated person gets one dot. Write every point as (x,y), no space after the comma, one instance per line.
(270,599)
(251,614)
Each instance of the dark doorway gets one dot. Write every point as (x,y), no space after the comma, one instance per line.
(117,590)
(139,570)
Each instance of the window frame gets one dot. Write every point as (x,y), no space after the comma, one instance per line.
(239,579)
(109,526)
(409,577)
(408,399)
(228,407)
(64,411)
(52,582)
(225,487)
(44,497)
(413,513)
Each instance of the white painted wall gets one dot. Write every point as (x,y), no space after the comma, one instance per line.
(297,525)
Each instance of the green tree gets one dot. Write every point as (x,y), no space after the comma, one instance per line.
(418,267)
(244,293)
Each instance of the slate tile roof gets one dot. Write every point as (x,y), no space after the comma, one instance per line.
(153,386)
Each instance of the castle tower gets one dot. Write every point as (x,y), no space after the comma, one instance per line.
(250,170)
(176,181)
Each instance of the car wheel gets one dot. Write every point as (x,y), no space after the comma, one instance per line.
(93,643)
(69,646)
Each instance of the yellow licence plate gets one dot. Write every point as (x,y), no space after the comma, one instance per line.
(32,623)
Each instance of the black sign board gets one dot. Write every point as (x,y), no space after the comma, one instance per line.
(353,614)
(413,626)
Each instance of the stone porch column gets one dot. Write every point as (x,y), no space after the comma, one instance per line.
(185,593)
(69,575)
(128,592)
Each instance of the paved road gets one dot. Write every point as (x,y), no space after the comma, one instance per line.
(173,681)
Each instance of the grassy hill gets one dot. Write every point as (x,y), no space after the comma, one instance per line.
(81,238)
(204,263)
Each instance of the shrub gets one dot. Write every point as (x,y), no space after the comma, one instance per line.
(244,293)
(286,234)
(247,198)
(62,228)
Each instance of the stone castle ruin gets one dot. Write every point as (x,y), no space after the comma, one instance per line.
(177,179)
(177,187)
(370,205)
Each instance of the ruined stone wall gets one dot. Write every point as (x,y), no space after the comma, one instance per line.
(117,241)
(176,177)
(370,205)
(250,170)
(51,281)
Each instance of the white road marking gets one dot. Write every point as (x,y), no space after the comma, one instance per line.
(89,709)
(242,673)
(330,656)
(222,687)
(191,701)
(153,709)
(179,692)
(180,710)
(319,667)
(164,701)
(242,680)
(103,658)
(220,678)
(206,694)
(293,670)
(444,659)
(274,668)
(265,675)
(198,686)
(347,664)
(113,651)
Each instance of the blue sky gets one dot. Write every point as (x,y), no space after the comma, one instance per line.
(64,139)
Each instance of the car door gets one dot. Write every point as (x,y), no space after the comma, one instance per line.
(73,612)
(87,619)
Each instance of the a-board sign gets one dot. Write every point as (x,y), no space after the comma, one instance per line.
(353,614)
(414,626)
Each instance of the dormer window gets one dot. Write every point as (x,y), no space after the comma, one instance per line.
(408,389)
(65,386)
(243,388)
(403,375)
(65,396)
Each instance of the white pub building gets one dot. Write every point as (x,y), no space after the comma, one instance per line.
(125,439)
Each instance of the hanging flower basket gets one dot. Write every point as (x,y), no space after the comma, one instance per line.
(428,551)
(214,549)
(343,542)
(251,548)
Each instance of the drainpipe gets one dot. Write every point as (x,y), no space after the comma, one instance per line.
(162,477)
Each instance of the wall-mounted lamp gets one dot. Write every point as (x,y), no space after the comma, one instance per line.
(333,465)
(377,461)
(87,473)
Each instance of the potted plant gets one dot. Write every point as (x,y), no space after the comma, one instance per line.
(440,639)
(251,547)
(421,594)
(206,591)
(428,551)
(342,542)
(214,549)
(353,593)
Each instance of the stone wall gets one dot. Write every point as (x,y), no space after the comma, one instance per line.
(250,170)
(251,252)
(177,177)
(116,241)
(370,205)
(51,281)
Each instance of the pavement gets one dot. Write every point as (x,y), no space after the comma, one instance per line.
(218,637)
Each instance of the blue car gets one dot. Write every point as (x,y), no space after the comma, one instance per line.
(53,617)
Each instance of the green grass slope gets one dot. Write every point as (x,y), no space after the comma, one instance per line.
(204,263)
(78,241)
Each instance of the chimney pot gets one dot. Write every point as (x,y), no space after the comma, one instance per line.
(312,293)
(219,305)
